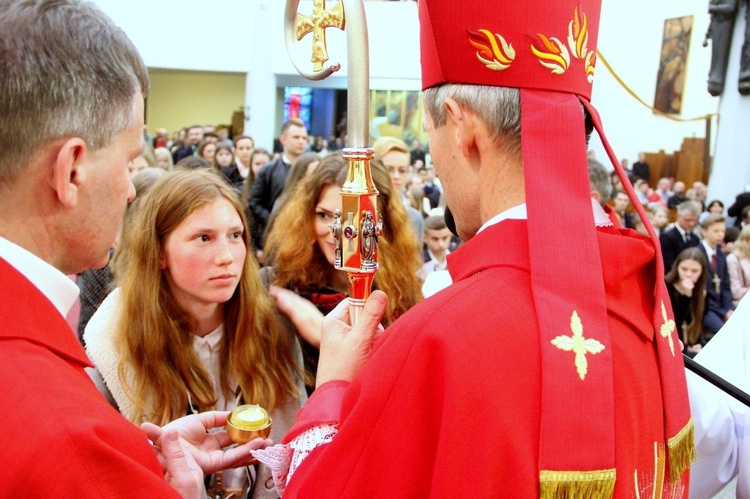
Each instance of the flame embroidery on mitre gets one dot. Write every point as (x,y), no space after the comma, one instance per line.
(578,35)
(494,56)
(590,62)
(552,54)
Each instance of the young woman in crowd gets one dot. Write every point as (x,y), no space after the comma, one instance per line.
(300,249)
(258,158)
(738,264)
(191,327)
(207,151)
(686,283)
(224,155)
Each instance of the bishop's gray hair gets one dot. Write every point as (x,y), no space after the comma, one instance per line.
(498,107)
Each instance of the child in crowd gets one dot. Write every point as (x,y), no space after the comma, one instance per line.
(437,240)
(191,327)
(719,305)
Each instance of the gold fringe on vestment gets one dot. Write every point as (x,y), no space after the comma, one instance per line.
(576,484)
(681,451)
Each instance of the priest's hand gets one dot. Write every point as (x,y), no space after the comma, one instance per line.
(181,471)
(344,349)
(206,449)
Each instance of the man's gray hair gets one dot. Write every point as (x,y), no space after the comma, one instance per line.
(498,107)
(687,207)
(67,71)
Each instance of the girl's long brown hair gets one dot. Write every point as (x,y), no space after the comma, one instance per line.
(154,333)
(292,247)
(698,298)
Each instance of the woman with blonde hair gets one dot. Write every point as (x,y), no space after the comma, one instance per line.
(163,158)
(738,264)
(300,249)
(191,327)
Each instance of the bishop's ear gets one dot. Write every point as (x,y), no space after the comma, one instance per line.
(462,125)
(68,171)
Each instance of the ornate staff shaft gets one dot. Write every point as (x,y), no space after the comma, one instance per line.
(357,226)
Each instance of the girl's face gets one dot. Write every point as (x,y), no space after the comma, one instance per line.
(223,158)
(643,188)
(328,203)
(689,269)
(258,161)
(716,208)
(208,152)
(203,257)
(162,162)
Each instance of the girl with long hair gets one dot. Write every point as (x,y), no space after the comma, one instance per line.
(300,249)
(191,327)
(686,283)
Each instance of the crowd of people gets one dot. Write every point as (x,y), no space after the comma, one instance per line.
(213,287)
(705,253)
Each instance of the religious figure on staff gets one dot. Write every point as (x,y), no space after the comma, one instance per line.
(369,239)
(723,15)
(564,387)
(336,233)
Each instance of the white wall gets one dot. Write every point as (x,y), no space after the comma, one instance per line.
(630,37)
(247,36)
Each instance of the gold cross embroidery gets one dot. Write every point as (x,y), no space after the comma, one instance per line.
(578,344)
(317,22)
(667,328)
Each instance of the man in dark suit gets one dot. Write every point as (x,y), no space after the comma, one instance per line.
(192,138)
(269,184)
(641,169)
(680,236)
(719,305)
(735,210)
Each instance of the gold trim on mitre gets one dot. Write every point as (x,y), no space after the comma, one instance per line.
(681,451)
(554,484)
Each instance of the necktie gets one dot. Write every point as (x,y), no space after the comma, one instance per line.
(713,263)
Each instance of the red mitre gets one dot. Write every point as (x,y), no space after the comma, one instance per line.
(548,51)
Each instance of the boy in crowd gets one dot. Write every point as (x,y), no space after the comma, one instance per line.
(437,239)
(719,305)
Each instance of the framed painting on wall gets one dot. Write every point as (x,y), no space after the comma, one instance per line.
(670,80)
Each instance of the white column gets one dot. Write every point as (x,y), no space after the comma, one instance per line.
(260,98)
(731,166)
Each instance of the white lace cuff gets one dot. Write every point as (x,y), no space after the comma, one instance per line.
(284,459)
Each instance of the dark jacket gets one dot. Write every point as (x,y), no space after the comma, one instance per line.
(672,244)
(719,302)
(267,187)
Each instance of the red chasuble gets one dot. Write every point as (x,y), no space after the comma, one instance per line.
(449,404)
(60,437)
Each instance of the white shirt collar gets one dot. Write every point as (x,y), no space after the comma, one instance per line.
(56,286)
(709,250)
(519,213)
(210,341)
(516,213)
